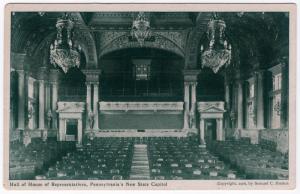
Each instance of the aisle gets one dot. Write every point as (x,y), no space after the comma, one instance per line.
(140,163)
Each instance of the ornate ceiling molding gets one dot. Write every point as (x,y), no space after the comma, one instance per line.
(177,37)
(106,37)
(169,41)
(84,39)
(192,50)
(87,42)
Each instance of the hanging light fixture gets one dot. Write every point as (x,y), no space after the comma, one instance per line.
(141,28)
(217,52)
(63,52)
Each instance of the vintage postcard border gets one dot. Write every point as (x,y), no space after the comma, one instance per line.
(182,184)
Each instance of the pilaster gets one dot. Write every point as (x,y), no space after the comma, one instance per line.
(259,99)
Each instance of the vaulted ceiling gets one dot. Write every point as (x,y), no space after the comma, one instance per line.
(257,38)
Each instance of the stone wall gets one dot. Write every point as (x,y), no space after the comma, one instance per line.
(279,136)
(253,134)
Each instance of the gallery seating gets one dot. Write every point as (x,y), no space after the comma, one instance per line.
(100,158)
(170,158)
(253,160)
(25,162)
(184,159)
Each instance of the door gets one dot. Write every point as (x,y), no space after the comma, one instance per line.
(210,131)
(72,129)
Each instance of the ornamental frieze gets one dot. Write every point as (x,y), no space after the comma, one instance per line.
(160,42)
(107,37)
(141,106)
(88,44)
(178,37)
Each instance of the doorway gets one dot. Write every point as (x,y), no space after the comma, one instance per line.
(211,131)
(72,127)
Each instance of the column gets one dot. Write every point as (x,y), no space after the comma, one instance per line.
(95,107)
(284,97)
(193,104)
(227,96)
(227,105)
(220,129)
(79,132)
(202,135)
(240,115)
(233,108)
(41,105)
(54,105)
(21,100)
(61,130)
(88,103)
(259,100)
(48,102)
(48,96)
(54,77)
(186,105)
(92,80)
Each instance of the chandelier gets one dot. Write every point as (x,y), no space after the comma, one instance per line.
(63,52)
(141,28)
(217,52)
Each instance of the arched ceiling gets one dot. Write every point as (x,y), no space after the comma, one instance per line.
(257,37)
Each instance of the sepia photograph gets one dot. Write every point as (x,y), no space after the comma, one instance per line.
(137,98)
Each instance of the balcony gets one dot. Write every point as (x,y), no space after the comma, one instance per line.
(72,94)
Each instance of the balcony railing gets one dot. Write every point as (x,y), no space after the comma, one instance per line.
(172,93)
(74,94)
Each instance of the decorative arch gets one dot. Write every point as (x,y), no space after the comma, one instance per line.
(193,39)
(192,49)
(160,42)
(37,50)
(87,42)
(34,42)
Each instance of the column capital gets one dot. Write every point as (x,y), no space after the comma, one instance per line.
(283,60)
(92,75)
(240,81)
(227,80)
(41,81)
(237,74)
(186,83)
(259,72)
(284,65)
(21,72)
(17,61)
(190,83)
(194,84)
(54,75)
(43,73)
(31,80)
(190,75)
(92,78)
(90,83)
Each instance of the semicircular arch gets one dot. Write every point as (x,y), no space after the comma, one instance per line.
(160,42)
